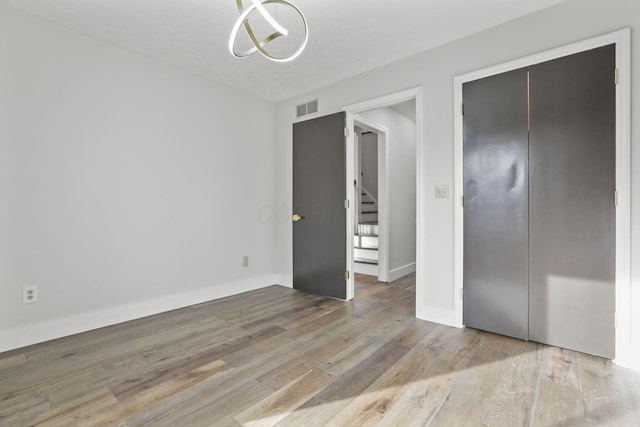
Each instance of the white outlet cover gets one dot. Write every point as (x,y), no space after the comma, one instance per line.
(29,294)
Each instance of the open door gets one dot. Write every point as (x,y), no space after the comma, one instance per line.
(319,217)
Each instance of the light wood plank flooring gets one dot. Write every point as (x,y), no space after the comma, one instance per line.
(276,356)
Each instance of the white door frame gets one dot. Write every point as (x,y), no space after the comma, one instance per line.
(383,193)
(352,110)
(622,40)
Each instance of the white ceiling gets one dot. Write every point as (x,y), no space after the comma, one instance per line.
(345,37)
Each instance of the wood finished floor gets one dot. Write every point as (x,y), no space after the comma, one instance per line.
(276,356)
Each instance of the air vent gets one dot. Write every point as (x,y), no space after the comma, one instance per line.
(310,107)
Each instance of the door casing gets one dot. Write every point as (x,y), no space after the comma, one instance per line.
(352,110)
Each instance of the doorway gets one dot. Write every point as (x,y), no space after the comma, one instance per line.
(371,230)
(383,230)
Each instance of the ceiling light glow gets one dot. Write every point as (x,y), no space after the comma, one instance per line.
(280,31)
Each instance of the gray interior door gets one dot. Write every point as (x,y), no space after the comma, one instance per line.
(572,212)
(319,193)
(539,244)
(496,204)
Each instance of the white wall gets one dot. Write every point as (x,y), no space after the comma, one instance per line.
(568,22)
(369,163)
(401,161)
(128,186)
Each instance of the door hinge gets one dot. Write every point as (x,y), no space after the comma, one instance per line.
(617,76)
(462,294)
(346,275)
(346,204)
(462,201)
(346,131)
(615,198)
(462,108)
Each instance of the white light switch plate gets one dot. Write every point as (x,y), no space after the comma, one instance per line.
(442,191)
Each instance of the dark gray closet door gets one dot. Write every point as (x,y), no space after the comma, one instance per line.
(496,208)
(572,213)
(319,192)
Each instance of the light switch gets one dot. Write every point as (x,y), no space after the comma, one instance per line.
(442,191)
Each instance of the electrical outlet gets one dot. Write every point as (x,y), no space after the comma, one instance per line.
(442,191)
(29,294)
(245,261)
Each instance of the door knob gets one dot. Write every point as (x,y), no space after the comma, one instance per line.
(296,217)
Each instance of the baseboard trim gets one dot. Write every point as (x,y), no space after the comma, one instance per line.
(399,272)
(438,315)
(628,361)
(22,336)
(284,280)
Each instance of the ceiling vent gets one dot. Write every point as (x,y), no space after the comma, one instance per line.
(310,107)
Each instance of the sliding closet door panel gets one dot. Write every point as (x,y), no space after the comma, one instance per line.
(572,213)
(495,211)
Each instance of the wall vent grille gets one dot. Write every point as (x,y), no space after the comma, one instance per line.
(310,107)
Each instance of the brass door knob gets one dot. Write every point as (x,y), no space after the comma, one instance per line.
(296,217)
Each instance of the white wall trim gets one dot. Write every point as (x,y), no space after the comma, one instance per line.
(439,315)
(380,102)
(622,39)
(350,145)
(384,101)
(399,272)
(17,337)
(283,280)
(624,339)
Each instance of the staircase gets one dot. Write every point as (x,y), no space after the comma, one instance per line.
(365,241)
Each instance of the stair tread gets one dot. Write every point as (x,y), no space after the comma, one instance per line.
(366,261)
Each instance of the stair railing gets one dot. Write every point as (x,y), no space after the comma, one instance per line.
(375,201)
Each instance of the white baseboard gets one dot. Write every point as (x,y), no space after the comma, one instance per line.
(22,336)
(284,280)
(399,272)
(628,360)
(438,315)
